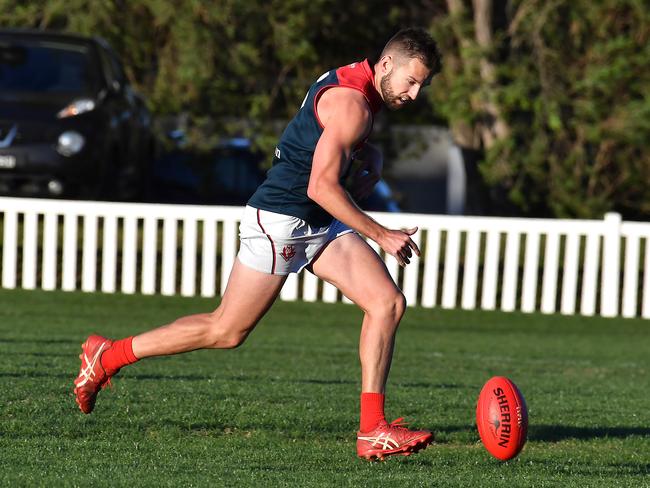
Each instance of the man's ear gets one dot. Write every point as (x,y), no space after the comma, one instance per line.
(386,64)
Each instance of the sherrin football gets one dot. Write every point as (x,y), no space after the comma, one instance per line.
(502,418)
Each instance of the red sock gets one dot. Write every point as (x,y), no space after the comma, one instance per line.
(372,411)
(118,355)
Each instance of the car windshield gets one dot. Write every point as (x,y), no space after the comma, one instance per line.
(46,68)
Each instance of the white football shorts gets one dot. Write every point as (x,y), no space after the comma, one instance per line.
(280,244)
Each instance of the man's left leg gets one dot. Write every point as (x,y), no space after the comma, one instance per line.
(351,265)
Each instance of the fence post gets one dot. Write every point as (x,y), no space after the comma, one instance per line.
(609,295)
(9,249)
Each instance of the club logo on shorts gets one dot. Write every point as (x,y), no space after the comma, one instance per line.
(288,252)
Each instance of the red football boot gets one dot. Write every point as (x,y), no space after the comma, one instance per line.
(390,439)
(92,376)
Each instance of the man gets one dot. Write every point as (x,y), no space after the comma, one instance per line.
(303,216)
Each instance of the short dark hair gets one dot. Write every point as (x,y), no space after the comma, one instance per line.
(415,42)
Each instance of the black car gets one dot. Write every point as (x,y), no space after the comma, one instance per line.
(70,124)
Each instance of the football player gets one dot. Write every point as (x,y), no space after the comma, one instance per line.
(305,216)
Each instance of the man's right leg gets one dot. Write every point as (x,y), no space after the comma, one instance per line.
(247,298)
(351,265)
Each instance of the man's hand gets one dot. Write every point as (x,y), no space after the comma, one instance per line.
(398,244)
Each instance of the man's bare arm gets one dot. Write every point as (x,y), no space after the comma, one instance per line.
(347,120)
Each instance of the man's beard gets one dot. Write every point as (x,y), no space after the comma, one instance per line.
(391,100)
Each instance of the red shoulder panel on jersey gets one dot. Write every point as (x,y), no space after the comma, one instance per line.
(360,76)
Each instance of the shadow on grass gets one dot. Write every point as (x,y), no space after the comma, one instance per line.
(200,378)
(309,381)
(37,354)
(37,374)
(72,375)
(132,377)
(546,433)
(431,386)
(314,381)
(39,341)
(557,433)
(250,378)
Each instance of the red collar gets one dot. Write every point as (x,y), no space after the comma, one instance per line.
(376,102)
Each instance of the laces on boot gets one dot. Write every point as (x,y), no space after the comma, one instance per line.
(398,424)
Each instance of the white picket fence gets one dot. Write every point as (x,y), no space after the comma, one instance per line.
(566,266)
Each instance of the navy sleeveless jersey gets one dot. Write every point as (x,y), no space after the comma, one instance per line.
(285,188)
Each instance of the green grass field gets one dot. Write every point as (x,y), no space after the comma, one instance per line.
(282,409)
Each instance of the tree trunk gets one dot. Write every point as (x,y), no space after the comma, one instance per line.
(494,127)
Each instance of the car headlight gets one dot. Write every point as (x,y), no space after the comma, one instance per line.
(70,143)
(77,107)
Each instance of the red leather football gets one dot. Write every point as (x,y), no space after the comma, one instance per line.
(502,418)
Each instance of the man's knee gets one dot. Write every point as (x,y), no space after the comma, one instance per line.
(223,335)
(226,340)
(399,304)
(389,306)
(230,342)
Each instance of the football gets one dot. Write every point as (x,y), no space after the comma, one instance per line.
(502,418)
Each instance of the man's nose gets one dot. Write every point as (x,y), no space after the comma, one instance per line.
(413,92)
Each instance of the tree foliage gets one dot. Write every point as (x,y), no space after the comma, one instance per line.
(564,116)
(551,94)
